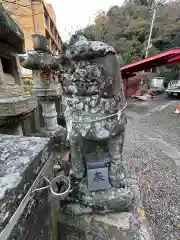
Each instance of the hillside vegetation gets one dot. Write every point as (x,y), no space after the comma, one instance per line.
(127,28)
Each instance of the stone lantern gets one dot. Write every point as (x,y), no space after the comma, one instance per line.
(14,104)
(47,88)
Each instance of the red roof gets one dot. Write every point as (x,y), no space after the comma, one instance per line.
(163,58)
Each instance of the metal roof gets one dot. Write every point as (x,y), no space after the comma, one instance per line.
(163,58)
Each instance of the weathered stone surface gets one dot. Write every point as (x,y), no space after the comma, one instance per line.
(59,132)
(35,221)
(10,32)
(47,87)
(10,89)
(36,215)
(81,48)
(38,61)
(16,105)
(13,100)
(40,43)
(21,159)
(94,102)
(13,120)
(127,225)
(117,226)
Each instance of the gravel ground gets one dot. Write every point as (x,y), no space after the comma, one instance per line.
(151,152)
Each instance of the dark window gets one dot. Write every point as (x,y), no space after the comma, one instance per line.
(7,65)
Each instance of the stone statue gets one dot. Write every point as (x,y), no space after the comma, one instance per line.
(94,102)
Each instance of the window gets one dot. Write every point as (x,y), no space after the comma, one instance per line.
(46,18)
(48,39)
(52,28)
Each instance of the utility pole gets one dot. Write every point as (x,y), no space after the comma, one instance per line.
(149,39)
(151,27)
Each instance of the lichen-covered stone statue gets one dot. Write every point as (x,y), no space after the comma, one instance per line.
(94,102)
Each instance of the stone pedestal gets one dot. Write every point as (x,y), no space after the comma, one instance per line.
(118,226)
(129,225)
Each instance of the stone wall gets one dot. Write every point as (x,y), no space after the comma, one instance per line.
(24,214)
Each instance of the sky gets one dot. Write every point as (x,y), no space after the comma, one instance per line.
(74,14)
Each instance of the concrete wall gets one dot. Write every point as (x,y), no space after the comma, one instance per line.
(29,15)
(51,12)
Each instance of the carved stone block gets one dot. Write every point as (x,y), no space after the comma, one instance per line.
(16,106)
(98,179)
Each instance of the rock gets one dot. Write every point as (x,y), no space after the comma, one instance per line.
(21,160)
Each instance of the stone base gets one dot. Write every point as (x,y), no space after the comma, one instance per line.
(117,226)
(104,201)
(58,132)
(126,224)
(14,106)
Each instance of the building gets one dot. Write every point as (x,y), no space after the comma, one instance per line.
(33,16)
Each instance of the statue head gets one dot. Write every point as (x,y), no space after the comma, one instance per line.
(77,37)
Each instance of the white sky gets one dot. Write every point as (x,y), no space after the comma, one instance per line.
(73,14)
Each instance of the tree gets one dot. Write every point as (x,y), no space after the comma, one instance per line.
(170,39)
(64,46)
(126,28)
